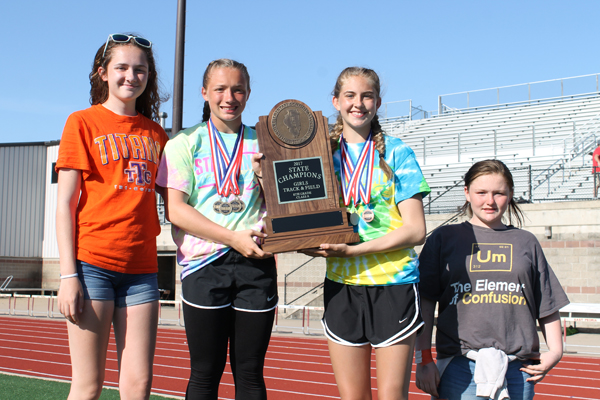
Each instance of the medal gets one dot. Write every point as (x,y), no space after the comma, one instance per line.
(368,215)
(217,206)
(225,208)
(243,205)
(354,219)
(237,205)
(226,168)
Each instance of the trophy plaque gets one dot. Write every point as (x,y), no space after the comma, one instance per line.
(301,192)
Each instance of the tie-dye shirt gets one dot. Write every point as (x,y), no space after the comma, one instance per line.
(187,166)
(394,267)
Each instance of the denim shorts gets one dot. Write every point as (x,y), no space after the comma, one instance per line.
(457,381)
(124,289)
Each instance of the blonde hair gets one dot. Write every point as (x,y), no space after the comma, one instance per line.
(377,132)
(221,63)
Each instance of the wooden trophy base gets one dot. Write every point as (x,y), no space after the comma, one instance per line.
(305,231)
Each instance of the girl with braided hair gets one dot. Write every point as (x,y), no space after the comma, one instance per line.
(371,299)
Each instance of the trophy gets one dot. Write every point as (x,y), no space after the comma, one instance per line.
(301,191)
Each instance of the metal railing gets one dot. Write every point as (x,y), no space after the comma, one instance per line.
(389,105)
(429,200)
(414,112)
(285,282)
(6,283)
(463,102)
(531,186)
(583,141)
(466,95)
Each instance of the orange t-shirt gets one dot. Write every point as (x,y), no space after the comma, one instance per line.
(117,221)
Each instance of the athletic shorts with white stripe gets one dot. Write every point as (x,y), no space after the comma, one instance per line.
(377,315)
(232,280)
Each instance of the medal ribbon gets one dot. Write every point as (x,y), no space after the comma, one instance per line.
(353,187)
(226,167)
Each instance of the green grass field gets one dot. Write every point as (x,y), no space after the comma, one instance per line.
(19,388)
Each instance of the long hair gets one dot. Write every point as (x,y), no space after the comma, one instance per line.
(489,167)
(377,132)
(221,63)
(148,104)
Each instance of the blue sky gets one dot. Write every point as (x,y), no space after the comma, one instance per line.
(293,49)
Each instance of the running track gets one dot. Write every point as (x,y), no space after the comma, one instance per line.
(296,368)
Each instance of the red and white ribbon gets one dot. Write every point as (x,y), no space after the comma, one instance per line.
(225,166)
(357,178)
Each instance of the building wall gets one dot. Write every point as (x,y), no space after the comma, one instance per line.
(573,250)
(22,189)
(49,245)
(26,272)
(50,273)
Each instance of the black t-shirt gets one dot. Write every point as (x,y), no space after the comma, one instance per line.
(491,285)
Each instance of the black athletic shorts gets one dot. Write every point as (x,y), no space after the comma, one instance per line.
(376,315)
(246,284)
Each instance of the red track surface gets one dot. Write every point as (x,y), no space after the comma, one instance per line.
(296,368)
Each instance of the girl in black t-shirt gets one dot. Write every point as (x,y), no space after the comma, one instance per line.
(492,283)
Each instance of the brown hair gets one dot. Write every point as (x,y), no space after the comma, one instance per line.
(221,63)
(489,167)
(148,104)
(376,129)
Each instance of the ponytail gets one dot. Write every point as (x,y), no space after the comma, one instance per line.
(206,112)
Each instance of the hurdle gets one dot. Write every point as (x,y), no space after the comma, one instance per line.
(8,297)
(32,310)
(16,311)
(174,303)
(304,327)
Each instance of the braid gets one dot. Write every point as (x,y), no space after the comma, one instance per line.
(206,112)
(336,131)
(379,140)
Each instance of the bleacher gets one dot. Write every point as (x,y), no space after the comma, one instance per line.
(547,144)
(543,139)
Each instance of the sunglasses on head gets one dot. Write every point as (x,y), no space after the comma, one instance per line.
(122,38)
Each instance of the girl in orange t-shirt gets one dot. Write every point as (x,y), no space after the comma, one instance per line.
(107,222)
